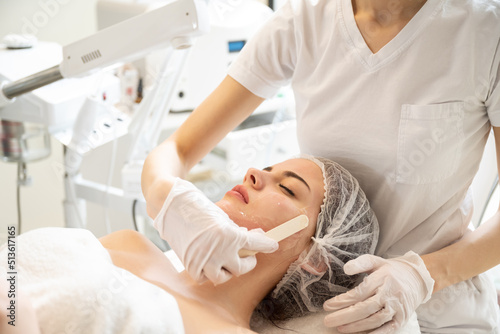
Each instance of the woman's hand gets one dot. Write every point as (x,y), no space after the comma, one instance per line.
(204,238)
(386,298)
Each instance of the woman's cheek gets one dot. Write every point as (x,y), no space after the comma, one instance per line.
(273,210)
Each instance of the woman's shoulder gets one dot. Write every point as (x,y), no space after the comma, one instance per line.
(122,238)
(131,243)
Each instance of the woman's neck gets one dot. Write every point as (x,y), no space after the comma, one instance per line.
(233,301)
(379,21)
(388,11)
(238,297)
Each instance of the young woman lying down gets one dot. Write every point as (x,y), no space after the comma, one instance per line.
(122,283)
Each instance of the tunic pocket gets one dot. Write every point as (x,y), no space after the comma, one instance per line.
(430,142)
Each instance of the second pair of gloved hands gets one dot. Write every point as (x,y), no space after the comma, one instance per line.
(386,298)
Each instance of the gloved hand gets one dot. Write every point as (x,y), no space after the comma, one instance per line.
(205,239)
(385,299)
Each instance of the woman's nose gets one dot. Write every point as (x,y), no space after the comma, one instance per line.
(255,178)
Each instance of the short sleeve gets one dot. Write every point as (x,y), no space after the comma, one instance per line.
(493,100)
(267,61)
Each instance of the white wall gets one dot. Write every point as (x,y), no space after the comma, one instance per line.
(62,21)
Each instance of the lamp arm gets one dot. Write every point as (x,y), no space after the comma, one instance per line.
(174,24)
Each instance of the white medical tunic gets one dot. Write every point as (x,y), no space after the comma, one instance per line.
(410,122)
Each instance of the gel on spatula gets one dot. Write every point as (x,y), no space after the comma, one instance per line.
(281,232)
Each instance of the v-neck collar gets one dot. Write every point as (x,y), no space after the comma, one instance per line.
(373,61)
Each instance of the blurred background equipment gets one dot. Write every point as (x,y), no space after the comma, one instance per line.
(109,120)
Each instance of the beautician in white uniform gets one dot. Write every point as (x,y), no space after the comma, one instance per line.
(403,94)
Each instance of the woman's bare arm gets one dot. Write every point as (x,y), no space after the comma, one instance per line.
(222,111)
(459,261)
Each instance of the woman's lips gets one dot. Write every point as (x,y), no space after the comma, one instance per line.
(241,192)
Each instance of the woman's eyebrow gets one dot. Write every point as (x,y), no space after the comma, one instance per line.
(289,173)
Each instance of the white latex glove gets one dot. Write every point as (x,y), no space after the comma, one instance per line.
(386,298)
(205,239)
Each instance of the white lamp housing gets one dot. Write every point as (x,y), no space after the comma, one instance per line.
(173,24)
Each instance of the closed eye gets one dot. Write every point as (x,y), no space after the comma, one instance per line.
(287,190)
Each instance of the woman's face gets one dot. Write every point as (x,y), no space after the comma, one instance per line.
(269,197)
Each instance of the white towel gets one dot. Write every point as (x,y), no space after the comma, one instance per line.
(75,288)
